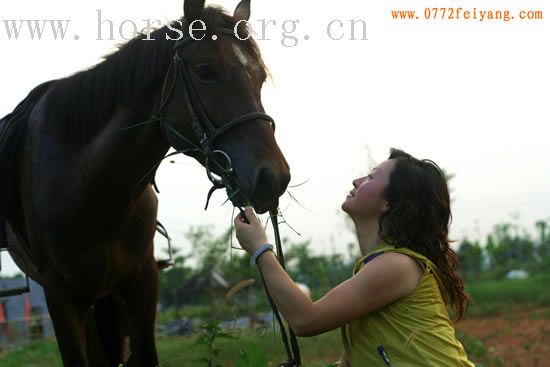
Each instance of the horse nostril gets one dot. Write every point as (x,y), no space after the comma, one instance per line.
(264,184)
(269,184)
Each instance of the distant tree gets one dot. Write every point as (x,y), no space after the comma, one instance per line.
(14,276)
(470,256)
(207,249)
(172,278)
(541,227)
(316,271)
(507,251)
(543,247)
(543,253)
(300,264)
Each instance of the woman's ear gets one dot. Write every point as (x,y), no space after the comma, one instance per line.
(242,11)
(385,206)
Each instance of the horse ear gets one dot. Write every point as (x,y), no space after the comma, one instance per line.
(242,11)
(192,9)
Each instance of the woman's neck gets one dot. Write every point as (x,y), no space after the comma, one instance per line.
(367,234)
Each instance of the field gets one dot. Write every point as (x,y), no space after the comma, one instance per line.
(179,351)
(517,338)
(509,325)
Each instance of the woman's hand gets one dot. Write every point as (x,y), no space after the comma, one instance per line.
(251,236)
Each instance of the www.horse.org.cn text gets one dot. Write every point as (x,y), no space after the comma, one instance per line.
(288,32)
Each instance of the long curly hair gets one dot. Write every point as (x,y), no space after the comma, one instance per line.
(418,218)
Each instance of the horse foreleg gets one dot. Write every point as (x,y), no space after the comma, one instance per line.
(104,332)
(141,304)
(69,321)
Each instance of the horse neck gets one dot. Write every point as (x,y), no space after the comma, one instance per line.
(122,157)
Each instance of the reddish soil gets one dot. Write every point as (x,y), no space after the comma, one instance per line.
(519,339)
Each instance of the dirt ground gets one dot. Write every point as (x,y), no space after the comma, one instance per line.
(519,339)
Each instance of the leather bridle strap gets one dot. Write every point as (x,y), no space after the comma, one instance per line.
(206,131)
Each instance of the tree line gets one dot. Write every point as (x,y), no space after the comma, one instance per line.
(506,248)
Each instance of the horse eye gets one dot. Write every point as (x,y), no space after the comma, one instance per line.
(206,73)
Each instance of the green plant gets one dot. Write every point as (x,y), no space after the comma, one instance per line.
(474,347)
(543,314)
(253,356)
(210,331)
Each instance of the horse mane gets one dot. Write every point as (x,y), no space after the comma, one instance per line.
(82,104)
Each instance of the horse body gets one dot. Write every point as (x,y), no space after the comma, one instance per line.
(90,218)
(85,217)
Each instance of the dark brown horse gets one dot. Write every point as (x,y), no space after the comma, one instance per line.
(77,166)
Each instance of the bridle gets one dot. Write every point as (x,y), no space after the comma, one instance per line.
(207,133)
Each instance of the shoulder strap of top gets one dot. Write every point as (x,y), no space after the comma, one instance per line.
(429,265)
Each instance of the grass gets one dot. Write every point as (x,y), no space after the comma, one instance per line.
(478,353)
(500,296)
(181,351)
(543,314)
(33,354)
(491,298)
(315,351)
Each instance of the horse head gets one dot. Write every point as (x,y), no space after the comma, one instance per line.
(213,108)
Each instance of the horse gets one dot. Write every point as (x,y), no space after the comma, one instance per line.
(78,158)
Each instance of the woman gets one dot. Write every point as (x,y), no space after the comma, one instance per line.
(393,310)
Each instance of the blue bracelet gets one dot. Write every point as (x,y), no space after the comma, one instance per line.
(261,250)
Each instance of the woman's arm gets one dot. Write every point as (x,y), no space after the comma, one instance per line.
(386,279)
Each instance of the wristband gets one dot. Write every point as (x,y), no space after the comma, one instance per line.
(260,251)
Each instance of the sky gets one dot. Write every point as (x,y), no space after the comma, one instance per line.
(470,94)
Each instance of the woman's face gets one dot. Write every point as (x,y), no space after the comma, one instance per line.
(366,200)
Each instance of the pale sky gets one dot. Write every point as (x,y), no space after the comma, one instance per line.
(471,95)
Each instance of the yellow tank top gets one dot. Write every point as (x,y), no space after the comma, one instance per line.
(413,331)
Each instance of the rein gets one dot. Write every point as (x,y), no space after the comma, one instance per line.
(294,358)
(207,133)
